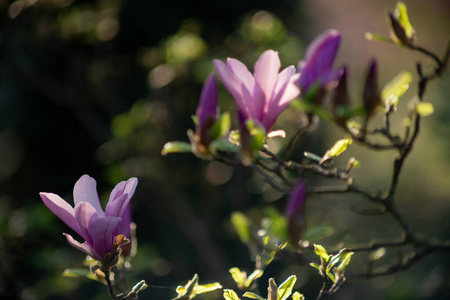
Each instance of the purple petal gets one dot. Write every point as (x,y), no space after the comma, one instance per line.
(207,107)
(85,190)
(101,231)
(241,72)
(285,91)
(124,226)
(319,58)
(117,207)
(85,214)
(296,200)
(62,210)
(85,247)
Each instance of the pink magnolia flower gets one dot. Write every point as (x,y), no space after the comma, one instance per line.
(97,227)
(318,63)
(261,96)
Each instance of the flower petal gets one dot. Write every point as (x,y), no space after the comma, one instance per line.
(235,86)
(207,107)
(85,190)
(125,187)
(85,214)
(85,247)
(101,231)
(266,75)
(62,210)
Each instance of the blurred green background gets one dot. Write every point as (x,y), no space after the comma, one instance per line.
(98,87)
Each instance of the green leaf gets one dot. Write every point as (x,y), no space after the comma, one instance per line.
(320,251)
(401,14)
(319,231)
(230,295)
(242,226)
(339,147)
(331,276)
(315,266)
(285,289)
(395,88)
(298,296)
(238,276)
(345,261)
(377,37)
(140,286)
(253,296)
(222,126)
(176,147)
(255,275)
(77,273)
(424,109)
(206,288)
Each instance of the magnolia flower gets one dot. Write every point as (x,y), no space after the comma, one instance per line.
(261,96)
(318,62)
(97,227)
(206,114)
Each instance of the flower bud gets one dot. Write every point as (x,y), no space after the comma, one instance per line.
(371,93)
(341,100)
(294,212)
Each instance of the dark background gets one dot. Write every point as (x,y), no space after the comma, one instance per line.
(98,87)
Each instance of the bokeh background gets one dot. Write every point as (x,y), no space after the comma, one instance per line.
(98,87)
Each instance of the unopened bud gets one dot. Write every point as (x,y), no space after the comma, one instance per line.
(341,100)
(371,93)
(398,33)
(272,293)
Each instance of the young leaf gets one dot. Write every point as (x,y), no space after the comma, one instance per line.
(230,295)
(320,250)
(86,273)
(206,288)
(339,147)
(345,261)
(395,88)
(255,275)
(401,14)
(424,109)
(285,289)
(238,276)
(253,296)
(298,296)
(312,156)
(176,147)
(377,37)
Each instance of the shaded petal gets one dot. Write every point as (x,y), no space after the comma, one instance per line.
(102,233)
(266,75)
(240,71)
(125,187)
(85,247)
(85,214)
(62,210)
(124,226)
(296,200)
(85,190)
(207,107)
(286,93)
(117,207)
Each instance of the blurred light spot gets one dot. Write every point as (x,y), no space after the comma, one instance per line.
(16,8)
(274,145)
(270,195)
(263,21)
(107,29)
(161,267)
(122,125)
(150,57)
(263,27)
(18,223)
(161,76)
(261,232)
(183,48)
(305,244)
(218,173)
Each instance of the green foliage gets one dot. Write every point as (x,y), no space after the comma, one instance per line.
(242,226)
(332,266)
(283,292)
(192,289)
(395,88)
(241,279)
(401,14)
(176,147)
(424,109)
(230,295)
(338,147)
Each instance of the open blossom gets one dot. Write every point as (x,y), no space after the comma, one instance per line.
(261,96)
(317,67)
(97,227)
(206,113)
